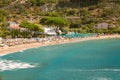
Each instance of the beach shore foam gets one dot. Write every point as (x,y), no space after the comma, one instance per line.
(13,65)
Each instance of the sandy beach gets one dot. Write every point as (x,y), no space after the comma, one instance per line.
(16,48)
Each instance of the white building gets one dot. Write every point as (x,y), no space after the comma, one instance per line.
(0,40)
(49,31)
(13,25)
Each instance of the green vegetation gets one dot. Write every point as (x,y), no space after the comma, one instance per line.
(31,29)
(41,2)
(57,22)
(5,2)
(69,15)
(30,26)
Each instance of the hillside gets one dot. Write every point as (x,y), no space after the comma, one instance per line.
(97,8)
(79,13)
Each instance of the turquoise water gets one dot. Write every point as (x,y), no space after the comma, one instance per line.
(88,60)
(75,35)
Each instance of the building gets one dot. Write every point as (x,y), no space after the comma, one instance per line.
(0,40)
(13,25)
(22,1)
(102,26)
(49,31)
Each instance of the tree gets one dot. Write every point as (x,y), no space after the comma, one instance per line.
(32,28)
(37,2)
(3,25)
(41,2)
(57,22)
(25,34)
(1,19)
(4,33)
(5,2)
(85,2)
(14,33)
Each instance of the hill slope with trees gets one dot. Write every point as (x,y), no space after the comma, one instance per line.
(81,14)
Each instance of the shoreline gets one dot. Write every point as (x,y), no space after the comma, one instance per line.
(17,48)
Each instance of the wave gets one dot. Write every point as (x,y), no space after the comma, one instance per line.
(21,51)
(12,65)
(102,78)
(93,70)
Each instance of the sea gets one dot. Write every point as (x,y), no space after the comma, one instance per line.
(86,60)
